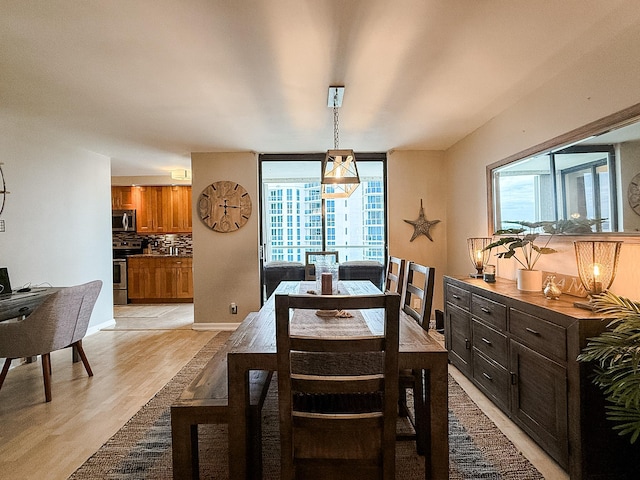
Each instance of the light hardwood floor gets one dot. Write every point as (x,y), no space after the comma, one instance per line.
(131,362)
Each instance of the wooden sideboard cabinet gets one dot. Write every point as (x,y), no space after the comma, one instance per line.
(520,350)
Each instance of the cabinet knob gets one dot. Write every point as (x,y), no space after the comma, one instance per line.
(467,344)
(457,297)
(514,379)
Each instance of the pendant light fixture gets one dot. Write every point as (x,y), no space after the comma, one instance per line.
(339,171)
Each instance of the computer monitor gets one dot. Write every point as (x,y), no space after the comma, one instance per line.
(5,284)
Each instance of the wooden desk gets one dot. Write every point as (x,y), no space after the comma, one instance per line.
(255,349)
(22,304)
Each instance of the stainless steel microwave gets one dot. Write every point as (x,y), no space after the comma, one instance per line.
(123,220)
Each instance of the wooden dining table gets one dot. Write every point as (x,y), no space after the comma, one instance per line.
(20,304)
(254,348)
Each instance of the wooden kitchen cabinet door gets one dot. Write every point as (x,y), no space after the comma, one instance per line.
(154,208)
(184,272)
(180,205)
(138,279)
(123,198)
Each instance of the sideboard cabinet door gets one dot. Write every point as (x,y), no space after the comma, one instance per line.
(539,399)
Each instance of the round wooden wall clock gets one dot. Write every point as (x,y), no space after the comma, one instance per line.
(224,206)
(633,194)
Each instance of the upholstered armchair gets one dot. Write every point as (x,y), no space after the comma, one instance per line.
(60,321)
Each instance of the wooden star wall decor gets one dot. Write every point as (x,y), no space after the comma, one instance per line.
(422,225)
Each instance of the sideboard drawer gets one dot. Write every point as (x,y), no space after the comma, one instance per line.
(490,312)
(540,335)
(458,297)
(491,343)
(494,380)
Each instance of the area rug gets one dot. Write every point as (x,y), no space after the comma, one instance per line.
(142,448)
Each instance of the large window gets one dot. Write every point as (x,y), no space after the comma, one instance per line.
(295,219)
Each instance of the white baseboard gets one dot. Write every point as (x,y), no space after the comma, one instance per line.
(96,328)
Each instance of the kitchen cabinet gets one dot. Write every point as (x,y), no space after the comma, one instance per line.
(520,350)
(164,209)
(160,278)
(153,210)
(123,198)
(180,209)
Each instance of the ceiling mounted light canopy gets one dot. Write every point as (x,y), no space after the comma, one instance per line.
(339,171)
(181,174)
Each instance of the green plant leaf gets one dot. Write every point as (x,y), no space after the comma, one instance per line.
(616,357)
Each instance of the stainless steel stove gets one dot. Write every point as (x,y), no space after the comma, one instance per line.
(121,249)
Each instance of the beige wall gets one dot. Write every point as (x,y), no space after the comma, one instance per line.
(225,265)
(415,175)
(592,87)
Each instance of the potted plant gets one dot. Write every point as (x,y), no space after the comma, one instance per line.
(519,244)
(616,354)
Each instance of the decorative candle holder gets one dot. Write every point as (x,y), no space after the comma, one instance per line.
(477,254)
(597,264)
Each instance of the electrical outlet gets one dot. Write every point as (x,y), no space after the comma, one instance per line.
(234,309)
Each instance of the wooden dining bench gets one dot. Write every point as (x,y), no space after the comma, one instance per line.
(205,401)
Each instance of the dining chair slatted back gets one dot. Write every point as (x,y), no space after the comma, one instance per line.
(417,298)
(417,292)
(60,321)
(334,424)
(394,277)
(309,263)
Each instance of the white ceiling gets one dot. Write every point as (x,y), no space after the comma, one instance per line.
(147,82)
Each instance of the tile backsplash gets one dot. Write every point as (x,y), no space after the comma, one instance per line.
(160,244)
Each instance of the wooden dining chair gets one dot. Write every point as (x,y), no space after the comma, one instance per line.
(394,276)
(337,422)
(309,263)
(417,299)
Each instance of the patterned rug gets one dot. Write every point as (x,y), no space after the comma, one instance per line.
(142,448)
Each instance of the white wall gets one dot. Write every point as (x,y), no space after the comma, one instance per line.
(57,216)
(225,265)
(592,87)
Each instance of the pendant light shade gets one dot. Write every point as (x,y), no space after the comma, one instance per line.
(339,171)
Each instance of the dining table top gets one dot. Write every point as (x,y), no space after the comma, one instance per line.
(258,337)
(19,304)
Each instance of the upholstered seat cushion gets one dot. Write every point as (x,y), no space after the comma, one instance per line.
(276,272)
(362,270)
